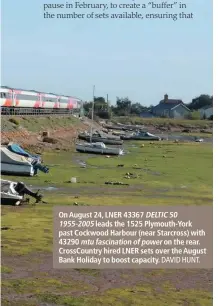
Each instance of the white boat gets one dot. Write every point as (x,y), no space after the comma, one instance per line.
(9,194)
(199,140)
(12,163)
(98,136)
(140,136)
(98,148)
(14,192)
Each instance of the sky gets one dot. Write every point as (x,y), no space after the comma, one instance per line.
(134,58)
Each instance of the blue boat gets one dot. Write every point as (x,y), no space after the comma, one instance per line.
(15,148)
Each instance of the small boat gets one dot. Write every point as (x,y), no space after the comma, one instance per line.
(15,164)
(98,148)
(140,136)
(100,137)
(14,192)
(97,145)
(15,148)
(118,133)
(199,140)
(9,194)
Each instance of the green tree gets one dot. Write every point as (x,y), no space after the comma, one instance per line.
(137,109)
(101,108)
(195,115)
(123,107)
(201,101)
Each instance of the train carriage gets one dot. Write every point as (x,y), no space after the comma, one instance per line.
(6,97)
(64,102)
(18,101)
(26,99)
(49,101)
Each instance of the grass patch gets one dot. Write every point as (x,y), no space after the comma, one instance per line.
(139,295)
(89,272)
(5,269)
(167,174)
(37,124)
(42,285)
(164,122)
(199,135)
(6,302)
(165,164)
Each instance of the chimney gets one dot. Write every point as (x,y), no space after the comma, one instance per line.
(165,98)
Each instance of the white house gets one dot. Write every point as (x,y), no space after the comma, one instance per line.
(206,112)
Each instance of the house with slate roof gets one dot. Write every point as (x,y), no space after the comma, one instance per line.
(171,108)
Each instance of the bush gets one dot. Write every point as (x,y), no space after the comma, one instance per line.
(195,115)
(14,120)
(104,114)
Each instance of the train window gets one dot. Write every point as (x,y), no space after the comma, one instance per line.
(45,99)
(6,95)
(26,97)
(64,100)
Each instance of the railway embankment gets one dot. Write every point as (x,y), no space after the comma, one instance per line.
(48,132)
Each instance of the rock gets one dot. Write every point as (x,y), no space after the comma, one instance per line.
(206,131)
(5,228)
(46,134)
(116,183)
(186,131)
(5,143)
(49,140)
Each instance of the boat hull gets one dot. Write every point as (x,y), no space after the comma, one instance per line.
(13,169)
(140,138)
(83,149)
(100,139)
(9,196)
(10,201)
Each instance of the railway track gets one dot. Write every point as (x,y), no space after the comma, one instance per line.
(38,112)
